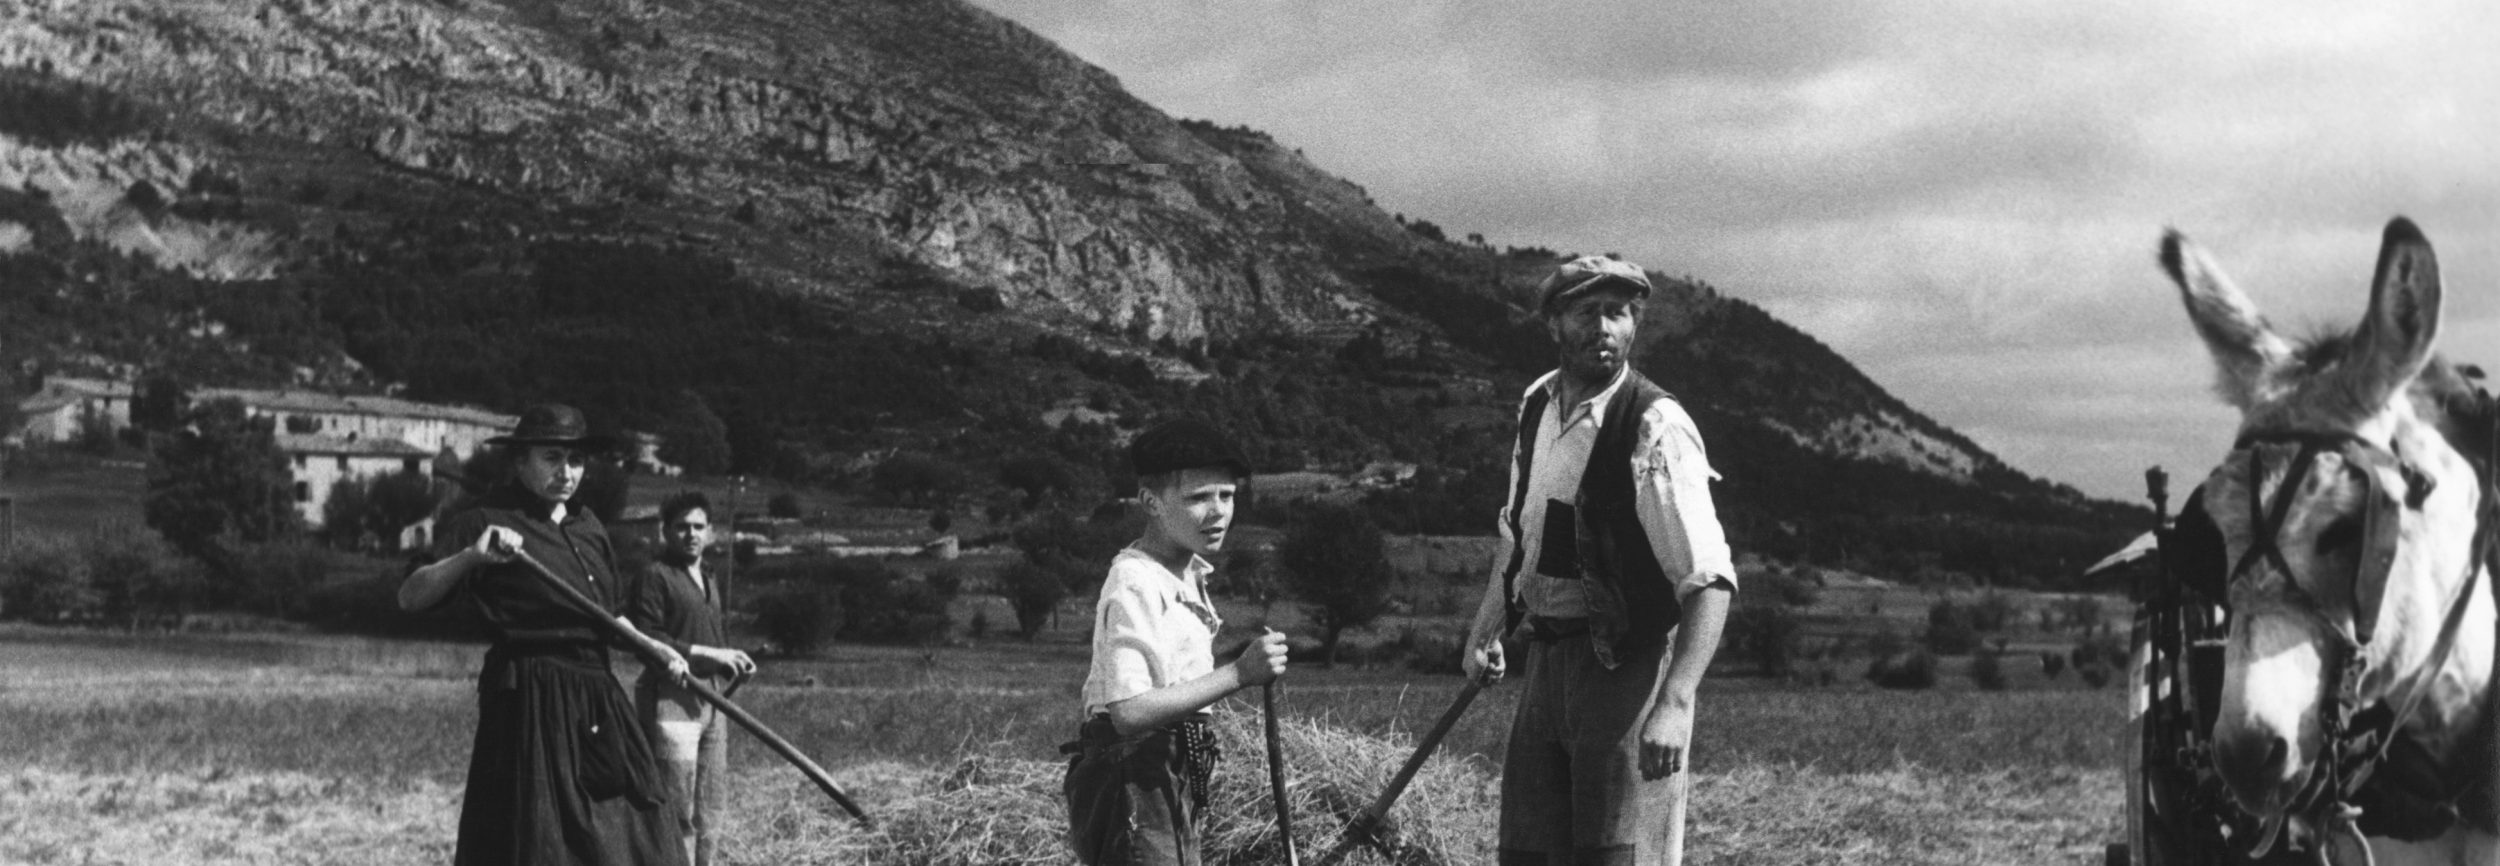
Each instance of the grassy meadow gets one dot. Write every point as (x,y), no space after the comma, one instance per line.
(300,748)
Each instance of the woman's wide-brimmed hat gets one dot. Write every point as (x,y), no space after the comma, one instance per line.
(555,424)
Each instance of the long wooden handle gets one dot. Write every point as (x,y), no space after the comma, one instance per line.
(1276,774)
(608,624)
(1365,828)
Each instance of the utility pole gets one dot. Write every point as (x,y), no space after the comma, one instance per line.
(729,568)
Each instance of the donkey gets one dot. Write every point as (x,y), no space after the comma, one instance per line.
(2355,543)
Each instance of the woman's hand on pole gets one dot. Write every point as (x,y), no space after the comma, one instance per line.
(497,544)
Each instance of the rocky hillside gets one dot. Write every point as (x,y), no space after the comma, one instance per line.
(802,139)
(815,231)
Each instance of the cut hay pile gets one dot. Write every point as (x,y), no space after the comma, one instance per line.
(990,810)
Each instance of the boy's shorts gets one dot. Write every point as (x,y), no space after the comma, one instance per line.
(1130,799)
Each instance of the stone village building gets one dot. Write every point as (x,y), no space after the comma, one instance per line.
(326,437)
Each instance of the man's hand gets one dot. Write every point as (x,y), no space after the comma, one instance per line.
(1485,663)
(710,660)
(1666,738)
(1263,660)
(678,671)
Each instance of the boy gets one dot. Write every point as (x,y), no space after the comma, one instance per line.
(1142,759)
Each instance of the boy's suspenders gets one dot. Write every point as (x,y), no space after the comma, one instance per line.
(1531,416)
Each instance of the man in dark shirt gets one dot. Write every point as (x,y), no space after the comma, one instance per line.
(676,603)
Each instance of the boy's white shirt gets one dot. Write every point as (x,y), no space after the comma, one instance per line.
(1152,628)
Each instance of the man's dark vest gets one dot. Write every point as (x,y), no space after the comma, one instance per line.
(1632,602)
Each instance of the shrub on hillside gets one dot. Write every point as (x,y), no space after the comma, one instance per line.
(799,617)
(2052,664)
(278,579)
(46,580)
(2096,661)
(140,579)
(803,603)
(880,606)
(1765,634)
(911,478)
(1787,589)
(1912,669)
(51,111)
(1994,612)
(1950,630)
(1987,672)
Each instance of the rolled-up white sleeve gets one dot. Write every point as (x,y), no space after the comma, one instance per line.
(1126,647)
(1673,500)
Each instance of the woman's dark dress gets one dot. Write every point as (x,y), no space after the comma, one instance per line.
(560,773)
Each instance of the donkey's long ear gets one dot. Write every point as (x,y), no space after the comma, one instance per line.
(2395,338)
(2244,346)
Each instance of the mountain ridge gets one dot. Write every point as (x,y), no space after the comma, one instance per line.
(936,191)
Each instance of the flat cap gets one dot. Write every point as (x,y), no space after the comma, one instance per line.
(1187,442)
(1585,274)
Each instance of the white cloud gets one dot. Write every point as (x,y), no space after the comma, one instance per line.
(1964,197)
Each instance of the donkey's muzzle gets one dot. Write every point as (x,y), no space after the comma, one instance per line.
(2258,767)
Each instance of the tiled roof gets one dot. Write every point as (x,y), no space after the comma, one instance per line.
(362,446)
(355,404)
(42,403)
(85,387)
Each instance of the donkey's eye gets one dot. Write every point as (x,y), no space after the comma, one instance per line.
(2342,536)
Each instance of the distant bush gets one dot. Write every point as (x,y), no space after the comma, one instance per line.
(1993,612)
(2052,665)
(855,598)
(278,579)
(139,579)
(50,111)
(800,616)
(1913,669)
(46,580)
(1765,634)
(1771,586)
(2080,612)
(1949,629)
(2096,661)
(910,479)
(117,575)
(1987,672)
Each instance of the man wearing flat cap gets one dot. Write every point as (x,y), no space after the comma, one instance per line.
(1615,577)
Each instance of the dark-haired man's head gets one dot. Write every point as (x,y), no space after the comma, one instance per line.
(686,525)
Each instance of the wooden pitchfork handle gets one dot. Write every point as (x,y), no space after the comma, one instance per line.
(1366,826)
(1276,774)
(607,624)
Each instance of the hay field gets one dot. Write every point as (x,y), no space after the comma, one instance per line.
(312,749)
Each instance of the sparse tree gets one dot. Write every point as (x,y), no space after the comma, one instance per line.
(693,437)
(1337,565)
(1034,592)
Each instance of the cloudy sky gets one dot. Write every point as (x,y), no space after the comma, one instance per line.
(1962,197)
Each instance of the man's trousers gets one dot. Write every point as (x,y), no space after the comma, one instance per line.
(1572,791)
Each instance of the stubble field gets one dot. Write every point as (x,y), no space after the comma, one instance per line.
(299,749)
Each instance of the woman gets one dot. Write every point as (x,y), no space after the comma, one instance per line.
(560,773)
